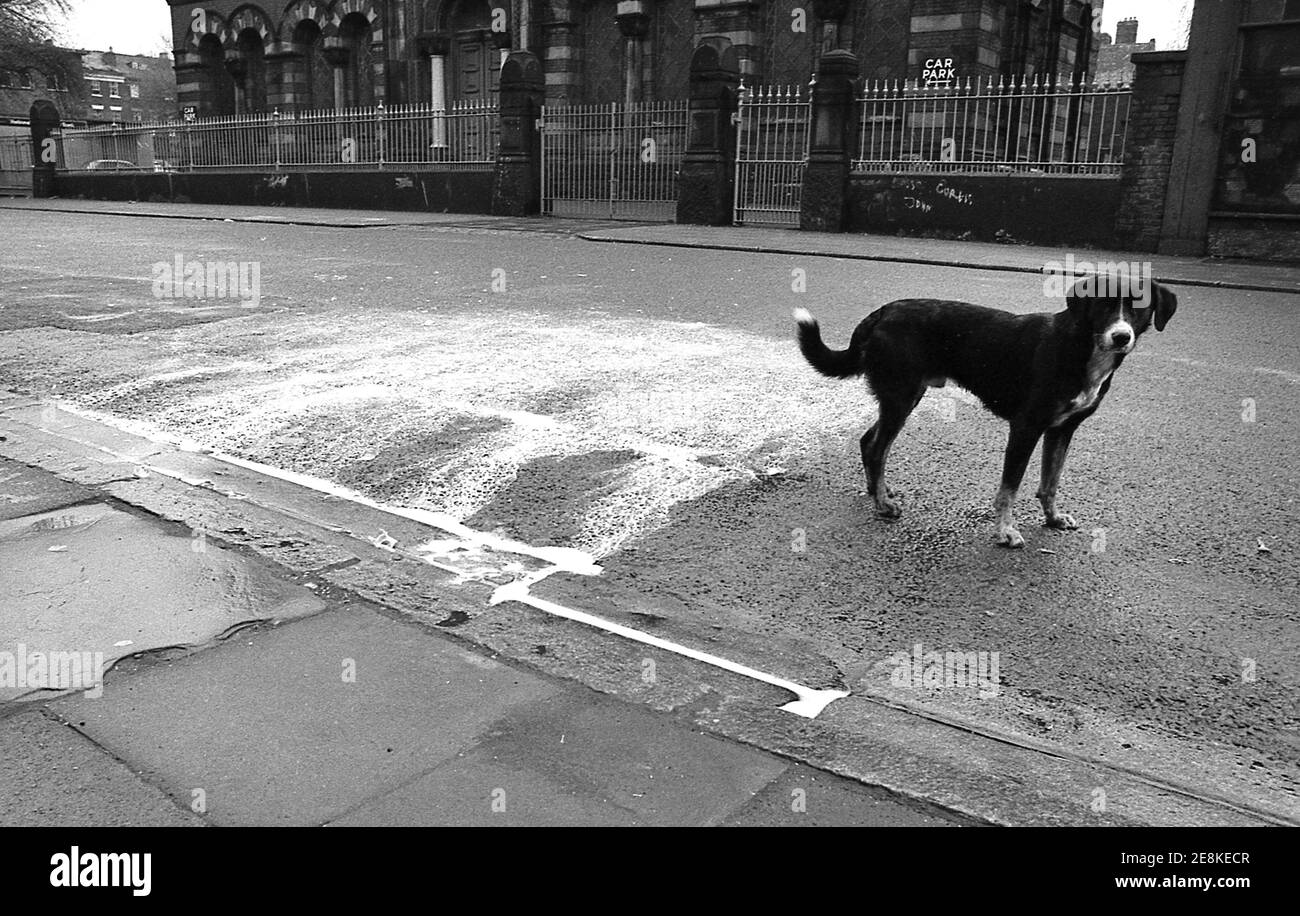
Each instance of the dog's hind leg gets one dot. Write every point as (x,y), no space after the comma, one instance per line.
(1020,446)
(877,442)
(1056,443)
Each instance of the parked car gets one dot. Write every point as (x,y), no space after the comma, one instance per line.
(110,165)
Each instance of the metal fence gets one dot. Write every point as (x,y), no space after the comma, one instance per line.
(773,130)
(615,161)
(1051,128)
(463,137)
(16,164)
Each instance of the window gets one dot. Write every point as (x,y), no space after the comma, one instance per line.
(95,88)
(135,90)
(26,77)
(5,79)
(115,90)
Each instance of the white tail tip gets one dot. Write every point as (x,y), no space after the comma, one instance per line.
(803,316)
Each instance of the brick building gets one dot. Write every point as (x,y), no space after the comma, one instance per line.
(234,56)
(20,88)
(128,87)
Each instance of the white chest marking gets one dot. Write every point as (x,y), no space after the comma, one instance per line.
(1100,368)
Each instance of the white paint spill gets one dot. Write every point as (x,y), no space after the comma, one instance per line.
(451,409)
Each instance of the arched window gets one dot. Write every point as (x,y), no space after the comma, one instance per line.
(217,85)
(359,76)
(317,87)
(252,57)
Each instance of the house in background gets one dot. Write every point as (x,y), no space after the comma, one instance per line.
(128,87)
(1115,58)
(20,88)
(115,88)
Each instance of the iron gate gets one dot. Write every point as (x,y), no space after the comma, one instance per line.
(615,161)
(772,136)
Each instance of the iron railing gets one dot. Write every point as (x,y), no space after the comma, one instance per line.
(772,136)
(995,127)
(462,137)
(614,161)
(16,164)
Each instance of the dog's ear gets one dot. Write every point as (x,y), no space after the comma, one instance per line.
(1165,304)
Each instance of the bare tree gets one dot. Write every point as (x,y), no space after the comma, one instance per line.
(27,33)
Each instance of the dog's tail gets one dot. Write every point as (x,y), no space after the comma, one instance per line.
(835,363)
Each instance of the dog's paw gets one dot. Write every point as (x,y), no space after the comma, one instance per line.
(887,507)
(1009,537)
(1062,522)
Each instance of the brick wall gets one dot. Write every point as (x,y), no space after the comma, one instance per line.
(1153,122)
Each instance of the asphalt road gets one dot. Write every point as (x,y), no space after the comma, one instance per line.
(647,406)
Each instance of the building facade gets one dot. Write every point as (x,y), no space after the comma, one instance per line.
(235,57)
(20,88)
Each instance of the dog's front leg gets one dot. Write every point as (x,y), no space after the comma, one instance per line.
(1020,445)
(1056,443)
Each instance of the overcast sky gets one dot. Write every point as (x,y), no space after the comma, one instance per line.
(1164,20)
(144,26)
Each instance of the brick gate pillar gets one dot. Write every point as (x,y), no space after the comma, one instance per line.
(834,121)
(516,185)
(705,194)
(44,119)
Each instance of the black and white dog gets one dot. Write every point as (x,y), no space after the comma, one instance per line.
(1042,373)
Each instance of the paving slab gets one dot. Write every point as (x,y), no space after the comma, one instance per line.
(103,584)
(50,776)
(272,732)
(27,491)
(580,759)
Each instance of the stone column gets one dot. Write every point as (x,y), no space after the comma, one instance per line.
(633,24)
(516,184)
(562,48)
(705,185)
(834,116)
(337,57)
(188,66)
(435,45)
(1207,81)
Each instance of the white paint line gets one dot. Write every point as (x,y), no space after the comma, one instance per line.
(809,703)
